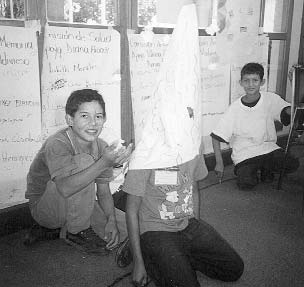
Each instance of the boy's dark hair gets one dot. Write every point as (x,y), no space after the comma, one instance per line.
(253,68)
(79,97)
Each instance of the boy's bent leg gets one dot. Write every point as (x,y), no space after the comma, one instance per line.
(166,259)
(98,222)
(279,161)
(50,210)
(49,214)
(211,253)
(79,230)
(246,173)
(72,214)
(80,207)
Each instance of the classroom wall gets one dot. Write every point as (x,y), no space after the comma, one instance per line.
(18,217)
(294,47)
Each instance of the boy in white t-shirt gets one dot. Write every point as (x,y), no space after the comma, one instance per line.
(248,126)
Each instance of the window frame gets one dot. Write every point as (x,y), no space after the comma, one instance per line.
(281,36)
(84,25)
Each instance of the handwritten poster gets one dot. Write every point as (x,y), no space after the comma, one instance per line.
(208,55)
(242,17)
(215,78)
(146,57)
(239,25)
(77,59)
(215,81)
(215,89)
(172,132)
(20,116)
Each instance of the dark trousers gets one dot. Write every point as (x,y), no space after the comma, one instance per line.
(268,164)
(171,258)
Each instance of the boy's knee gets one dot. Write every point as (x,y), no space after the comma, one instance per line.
(234,270)
(292,164)
(246,182)
(237,270)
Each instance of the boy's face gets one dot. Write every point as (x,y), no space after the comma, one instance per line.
(87,122)
(251,83)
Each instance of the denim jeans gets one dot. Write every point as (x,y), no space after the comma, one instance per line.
(172,258)
(273,162)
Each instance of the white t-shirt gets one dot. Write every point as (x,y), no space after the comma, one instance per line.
(251,131)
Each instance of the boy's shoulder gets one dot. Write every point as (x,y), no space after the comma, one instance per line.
(270,98)
(268,94)
(60,137)
(236,104)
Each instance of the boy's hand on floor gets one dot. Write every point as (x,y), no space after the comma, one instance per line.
(301,139)
(139,274)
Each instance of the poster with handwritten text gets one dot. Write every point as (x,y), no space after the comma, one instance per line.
(20,116)
(146,57)
(76,59)
(215,80)
(239,25)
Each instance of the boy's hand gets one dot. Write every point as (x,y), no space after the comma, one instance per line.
(113,156)
(219,171)
(123,154)
(301,139)
(139,274)
(111,234)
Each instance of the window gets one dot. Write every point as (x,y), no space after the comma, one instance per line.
(12,9)
(146,13)
(276,16)
(276,21)
(93,12)
(159,13)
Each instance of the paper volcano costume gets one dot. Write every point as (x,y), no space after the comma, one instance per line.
(172,133)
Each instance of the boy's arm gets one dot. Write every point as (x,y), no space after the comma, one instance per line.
(105,200)
(285,116)
(72,184)
(219,165)
(139,274)
(196,200)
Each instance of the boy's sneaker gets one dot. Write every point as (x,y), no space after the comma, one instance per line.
(39,233)
(87,241)
(123,256)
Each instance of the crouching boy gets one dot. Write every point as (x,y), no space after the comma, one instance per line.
(248,126)
(71,168)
